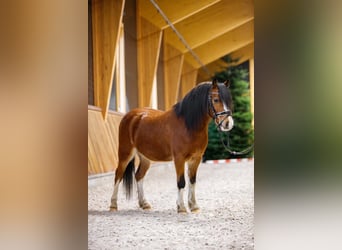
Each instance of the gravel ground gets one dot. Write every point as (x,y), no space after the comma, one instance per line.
(225,194)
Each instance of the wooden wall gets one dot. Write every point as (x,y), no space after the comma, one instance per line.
(102,141)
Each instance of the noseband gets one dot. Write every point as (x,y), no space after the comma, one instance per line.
(225,113)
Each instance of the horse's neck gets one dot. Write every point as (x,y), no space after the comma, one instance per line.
(204,126)
(206,122)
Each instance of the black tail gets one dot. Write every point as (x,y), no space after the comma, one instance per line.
(128,178)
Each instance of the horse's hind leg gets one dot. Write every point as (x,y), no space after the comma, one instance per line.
(139,176)
(192,172)
(125,156)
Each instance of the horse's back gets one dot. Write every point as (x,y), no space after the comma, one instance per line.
(137,115)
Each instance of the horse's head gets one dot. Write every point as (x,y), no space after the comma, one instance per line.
(220,105)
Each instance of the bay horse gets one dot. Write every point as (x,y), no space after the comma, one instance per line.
(179,134)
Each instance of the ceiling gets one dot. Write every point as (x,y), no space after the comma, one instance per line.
(212,29)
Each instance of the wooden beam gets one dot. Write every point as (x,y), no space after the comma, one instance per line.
(148,48)
(174,10)
(239,56)
(223,45)
(214,67)
(243,54)
(211,23)
(201,77)
(173,63)
(106,20)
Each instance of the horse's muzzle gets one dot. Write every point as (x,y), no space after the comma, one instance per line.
(226,124)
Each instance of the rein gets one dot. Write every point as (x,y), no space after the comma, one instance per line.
(226,146)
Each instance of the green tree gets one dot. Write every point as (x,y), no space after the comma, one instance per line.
(242,135)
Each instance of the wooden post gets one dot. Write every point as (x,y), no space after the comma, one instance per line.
(107,18)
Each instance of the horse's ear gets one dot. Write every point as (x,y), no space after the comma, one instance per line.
(227,83)
(214,83)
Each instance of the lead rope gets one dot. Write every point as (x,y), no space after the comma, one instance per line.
(227,147)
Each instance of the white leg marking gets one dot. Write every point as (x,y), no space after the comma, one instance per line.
(140,191)
(192,198)
(180,201)
(115,195)
(142,202)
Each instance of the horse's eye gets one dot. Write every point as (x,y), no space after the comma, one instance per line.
(216,100)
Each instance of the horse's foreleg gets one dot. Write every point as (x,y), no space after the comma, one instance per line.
(179,164)
(139,176)
(192,172)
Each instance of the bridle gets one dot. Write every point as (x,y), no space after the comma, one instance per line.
(215,114)
(225,113)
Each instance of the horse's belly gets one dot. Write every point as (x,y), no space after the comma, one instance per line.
(154,146)
(155,153)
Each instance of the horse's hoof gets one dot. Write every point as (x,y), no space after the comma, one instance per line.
(193,207)
(182,210)
(145,206)
(196,210)
(113,209)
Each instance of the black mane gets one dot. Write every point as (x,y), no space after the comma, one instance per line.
(194,107)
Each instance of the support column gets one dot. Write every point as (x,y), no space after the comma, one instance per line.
(106,20)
